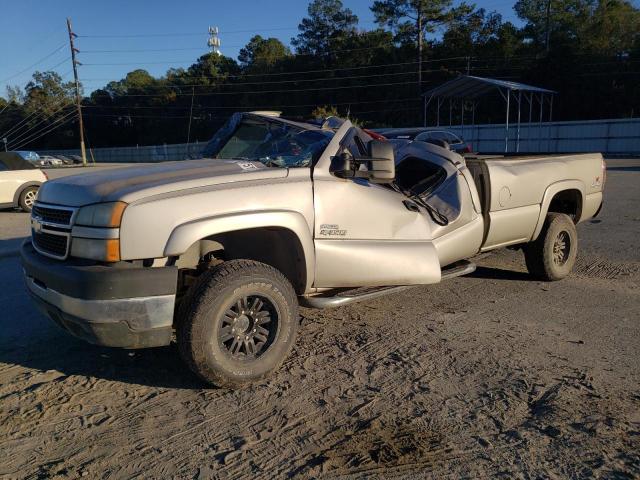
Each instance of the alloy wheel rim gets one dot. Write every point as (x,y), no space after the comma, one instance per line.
(561,248)
(248,327)
(29,198)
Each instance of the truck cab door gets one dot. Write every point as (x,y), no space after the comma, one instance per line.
(367,234)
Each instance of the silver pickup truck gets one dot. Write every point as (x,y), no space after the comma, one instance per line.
(219,252)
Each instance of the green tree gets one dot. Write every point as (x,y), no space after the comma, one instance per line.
(412,20)
(47,93)
(262,53)
(612,29)
(482,34)
(14,94)
(556,23)
(328,23)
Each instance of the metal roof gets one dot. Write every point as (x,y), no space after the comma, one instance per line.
(467,86)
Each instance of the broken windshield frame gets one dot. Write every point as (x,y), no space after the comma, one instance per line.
(269,141)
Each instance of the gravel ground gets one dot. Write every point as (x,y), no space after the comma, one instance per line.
(491,375)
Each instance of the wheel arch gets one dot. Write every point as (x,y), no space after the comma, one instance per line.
(561,197)
(281,239)
(19,190)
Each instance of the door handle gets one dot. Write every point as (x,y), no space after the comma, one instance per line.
(412,207)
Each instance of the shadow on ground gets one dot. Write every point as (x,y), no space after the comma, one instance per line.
(500,274)
(154,367)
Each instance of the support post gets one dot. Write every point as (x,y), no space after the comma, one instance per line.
(519,110)
(193,92)
(426,106)
(529,129)
(540,123)
(78,99)
(462,118)
(474,133)
(424,111)
(506,129)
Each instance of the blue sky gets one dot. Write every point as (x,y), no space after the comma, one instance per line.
(39,32)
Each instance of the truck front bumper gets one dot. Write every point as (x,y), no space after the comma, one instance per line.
(114,306)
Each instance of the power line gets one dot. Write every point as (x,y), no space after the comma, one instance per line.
(19,136)
(178,34)
(46,132)
(278,82)
(69,116)
(199,34)
(38,111)
(257,92)
(302,72)
(257,107)
(34,64)
(290,55)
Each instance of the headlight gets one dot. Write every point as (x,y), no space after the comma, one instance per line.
(107,250)
(101,215)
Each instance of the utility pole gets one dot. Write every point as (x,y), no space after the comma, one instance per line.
(548,27)
(78,99)
(193,92)
(420,43)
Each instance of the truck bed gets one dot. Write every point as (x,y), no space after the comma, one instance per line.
(512,190)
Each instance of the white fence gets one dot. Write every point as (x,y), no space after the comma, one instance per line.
(619,136)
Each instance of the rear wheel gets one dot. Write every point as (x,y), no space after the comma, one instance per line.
(552,255)
(28,198)
(240,323)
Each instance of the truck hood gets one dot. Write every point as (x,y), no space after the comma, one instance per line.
(133,183)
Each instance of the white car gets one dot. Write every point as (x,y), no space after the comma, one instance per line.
(48,160)
(19,181)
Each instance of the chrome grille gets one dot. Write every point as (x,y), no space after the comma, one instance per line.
(55,245)
(52,215)
(51,229)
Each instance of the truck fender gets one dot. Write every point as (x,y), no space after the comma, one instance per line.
(551,192)
(185,235)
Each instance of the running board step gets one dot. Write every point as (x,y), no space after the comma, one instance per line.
(463,267)
(346,297)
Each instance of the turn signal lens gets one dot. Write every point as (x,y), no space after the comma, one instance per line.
(112,252)
(96,249)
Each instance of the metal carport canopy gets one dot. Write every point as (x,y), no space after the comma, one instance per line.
(468,87)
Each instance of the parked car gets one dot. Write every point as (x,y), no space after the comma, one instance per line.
(221,251)
(453,142)
(28,155)
(19,181)
(49,160)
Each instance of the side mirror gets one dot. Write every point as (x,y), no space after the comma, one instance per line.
(343,165)
(378,167)
(382,162)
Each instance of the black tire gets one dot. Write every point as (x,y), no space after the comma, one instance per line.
(27,197)
(552,255)
(222,305)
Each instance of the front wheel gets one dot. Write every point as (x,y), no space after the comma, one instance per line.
(552,255)
(28,198)
(239,324)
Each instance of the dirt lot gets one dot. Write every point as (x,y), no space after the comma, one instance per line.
(491,375)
